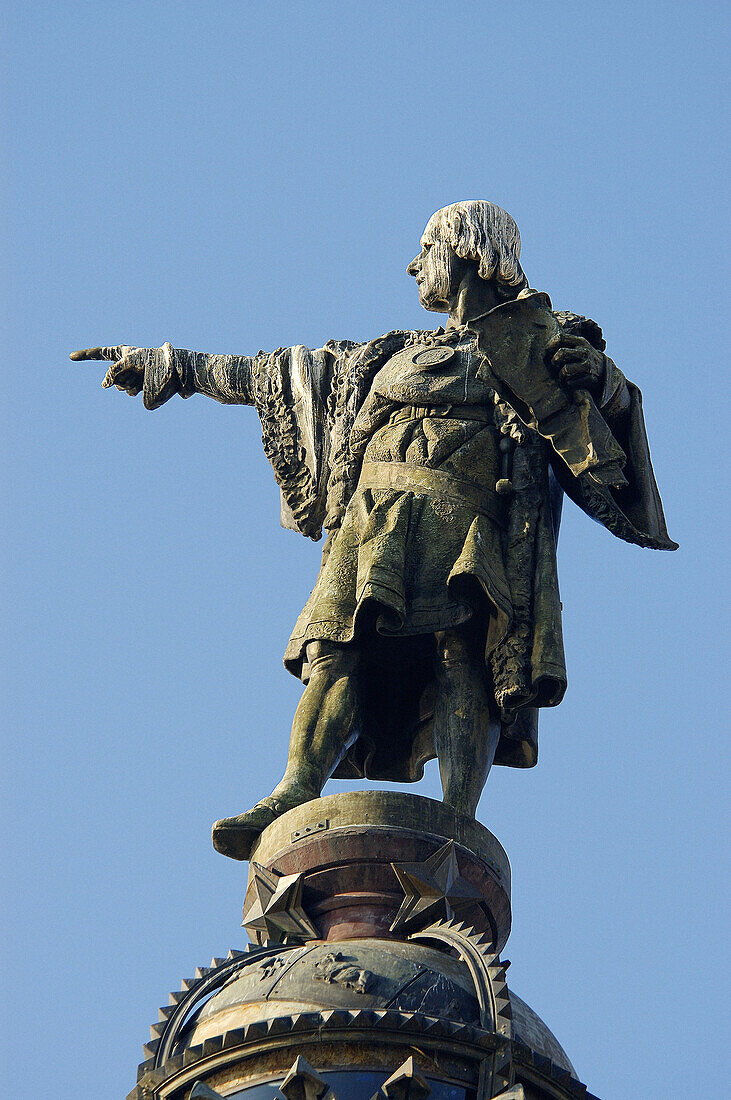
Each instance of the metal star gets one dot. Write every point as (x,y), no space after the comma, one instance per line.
(201,1091)
(303,1082)
(407,1083)
(277,914)
(433,889)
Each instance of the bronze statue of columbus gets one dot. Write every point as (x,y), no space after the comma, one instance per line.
(436,462)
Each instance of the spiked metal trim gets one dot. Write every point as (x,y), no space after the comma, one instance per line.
(485,967)
(205,981)
(476,950)
(372,1021)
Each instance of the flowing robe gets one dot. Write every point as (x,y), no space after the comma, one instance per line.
(394,447)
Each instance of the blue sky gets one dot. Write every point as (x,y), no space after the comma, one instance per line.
(239,176)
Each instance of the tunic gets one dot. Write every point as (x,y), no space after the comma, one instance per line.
(425,544)
(425,517)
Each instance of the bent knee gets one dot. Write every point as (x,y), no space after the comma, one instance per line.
(454,647)
(339,659)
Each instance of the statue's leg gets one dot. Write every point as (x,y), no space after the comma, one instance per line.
(323,729)
(466,729)
(324,725)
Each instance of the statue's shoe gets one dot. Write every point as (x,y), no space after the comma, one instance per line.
(236,836)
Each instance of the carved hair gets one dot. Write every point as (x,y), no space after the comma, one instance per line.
(480,231)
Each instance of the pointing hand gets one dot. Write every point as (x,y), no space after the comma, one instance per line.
(127,370)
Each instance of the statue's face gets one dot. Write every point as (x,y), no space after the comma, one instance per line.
(438,271)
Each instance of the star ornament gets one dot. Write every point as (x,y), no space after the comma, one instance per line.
(276,914)
(434,890)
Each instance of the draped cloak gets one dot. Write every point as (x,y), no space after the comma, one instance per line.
(393,447)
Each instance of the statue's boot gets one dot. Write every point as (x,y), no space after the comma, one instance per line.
(236,836)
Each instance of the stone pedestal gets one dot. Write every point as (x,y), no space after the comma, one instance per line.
(377,920)
(346,845)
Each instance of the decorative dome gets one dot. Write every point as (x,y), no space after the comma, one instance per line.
(370,974)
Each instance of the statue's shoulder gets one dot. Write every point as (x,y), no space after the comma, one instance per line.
(366,358)
(529,298)
(531,304)
(397,339)
(523,309)
(378,345)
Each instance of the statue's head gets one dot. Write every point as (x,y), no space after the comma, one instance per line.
(472,233)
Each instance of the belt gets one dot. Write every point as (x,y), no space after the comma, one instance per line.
(442,412)
(423,480)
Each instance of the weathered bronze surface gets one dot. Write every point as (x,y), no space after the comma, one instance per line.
(436,462)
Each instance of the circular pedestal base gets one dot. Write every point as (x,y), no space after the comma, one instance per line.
(377,863)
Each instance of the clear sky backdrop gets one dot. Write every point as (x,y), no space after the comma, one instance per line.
(236,176)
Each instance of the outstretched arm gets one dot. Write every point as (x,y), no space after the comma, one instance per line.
(290,389)
(159,373)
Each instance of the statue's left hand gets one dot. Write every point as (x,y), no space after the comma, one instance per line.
(576,364)
(127,370)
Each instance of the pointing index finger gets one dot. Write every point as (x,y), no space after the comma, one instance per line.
(110,354)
